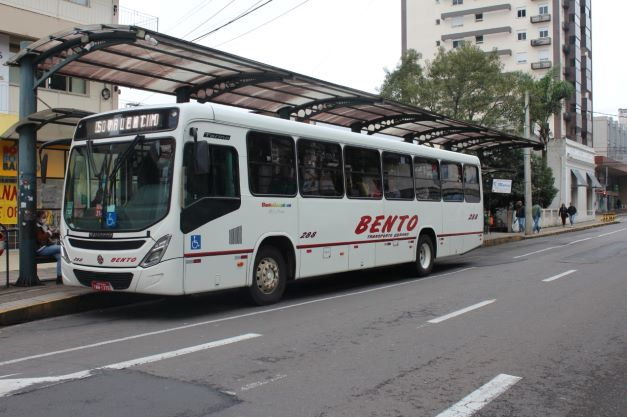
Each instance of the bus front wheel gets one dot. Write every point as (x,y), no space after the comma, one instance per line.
(425,255)
(269,277)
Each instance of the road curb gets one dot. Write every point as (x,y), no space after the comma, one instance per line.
(518,237)
(65,304)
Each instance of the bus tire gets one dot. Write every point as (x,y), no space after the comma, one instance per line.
(269,277)
(425,255)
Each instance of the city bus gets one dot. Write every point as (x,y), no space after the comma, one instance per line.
(191,198)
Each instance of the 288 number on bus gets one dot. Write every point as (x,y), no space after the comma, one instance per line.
(308,235)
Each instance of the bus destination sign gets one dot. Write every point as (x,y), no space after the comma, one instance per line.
(127,123)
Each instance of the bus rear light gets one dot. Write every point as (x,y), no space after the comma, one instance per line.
(155,254)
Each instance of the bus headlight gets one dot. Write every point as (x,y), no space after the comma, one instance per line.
(155,254)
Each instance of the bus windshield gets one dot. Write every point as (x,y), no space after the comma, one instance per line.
(121,186)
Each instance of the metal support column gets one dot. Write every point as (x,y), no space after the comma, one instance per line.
(27,176)
(183,95)
(527,169)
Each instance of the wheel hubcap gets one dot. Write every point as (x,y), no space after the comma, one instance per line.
(425,256)
(267,275)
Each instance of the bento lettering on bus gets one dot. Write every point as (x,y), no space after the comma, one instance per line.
(386,224)
(121,124)
(122,260)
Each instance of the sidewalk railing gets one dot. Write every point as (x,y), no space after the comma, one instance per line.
(7,247)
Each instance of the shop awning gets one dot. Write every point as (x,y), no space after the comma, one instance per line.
(581,179)
(593,180)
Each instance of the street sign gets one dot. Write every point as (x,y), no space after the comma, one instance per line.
(501,186)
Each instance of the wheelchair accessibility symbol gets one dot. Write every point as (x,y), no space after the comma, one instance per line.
(195,242)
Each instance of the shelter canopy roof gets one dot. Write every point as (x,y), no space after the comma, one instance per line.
(134,57)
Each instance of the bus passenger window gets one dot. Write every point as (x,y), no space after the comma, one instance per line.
(397,177)
(452,187)
(363,173)
(320,169)
(221,181)
(472,191)
(271,164)
(427,179)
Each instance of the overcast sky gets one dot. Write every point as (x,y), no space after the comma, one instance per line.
(347,42)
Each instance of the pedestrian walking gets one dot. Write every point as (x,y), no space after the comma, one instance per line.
(536,214)
(563,212)
(520,214)
(572,212)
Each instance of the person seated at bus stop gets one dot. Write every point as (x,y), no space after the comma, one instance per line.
(48,241)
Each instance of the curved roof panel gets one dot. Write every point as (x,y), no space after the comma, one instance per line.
(135,57)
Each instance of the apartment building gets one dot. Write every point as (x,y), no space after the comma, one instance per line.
(530,36)
(610,144)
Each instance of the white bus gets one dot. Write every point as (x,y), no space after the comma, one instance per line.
(192,198)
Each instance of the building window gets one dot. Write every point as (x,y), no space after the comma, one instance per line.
(521,12)
(543,56)
(457,21)
(479,39)
(521,57)
(457,43)
(479,17)
(80,2)
(67,84)
(522,36)
(544,9)
(544,32)
(457,2)
(437,43)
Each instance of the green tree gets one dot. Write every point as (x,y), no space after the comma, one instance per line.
(547,96)
(464,83)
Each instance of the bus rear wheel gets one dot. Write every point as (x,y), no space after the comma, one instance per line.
(425,255)
(269,277)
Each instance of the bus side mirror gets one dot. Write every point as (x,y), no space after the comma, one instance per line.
(44,168)
(201,158)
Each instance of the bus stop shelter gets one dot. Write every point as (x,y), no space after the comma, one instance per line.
(139,58)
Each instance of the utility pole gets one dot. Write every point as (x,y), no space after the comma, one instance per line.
(527,153)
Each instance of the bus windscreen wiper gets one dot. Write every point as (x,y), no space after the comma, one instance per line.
(124,155)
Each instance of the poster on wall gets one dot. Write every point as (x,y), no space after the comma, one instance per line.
(4,74)
(8,203)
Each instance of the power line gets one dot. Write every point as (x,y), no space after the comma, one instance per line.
(263,24)
(207,20)
(195,9)
(231,21)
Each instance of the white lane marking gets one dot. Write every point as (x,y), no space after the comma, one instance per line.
(261,383)
(537,251)
(8,386)
(611,233)
(460,312)
(6,376)
(558,276)
(240,316)
(580,240)
(570,243)
(478,399)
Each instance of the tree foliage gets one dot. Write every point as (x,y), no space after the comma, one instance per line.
(464,84)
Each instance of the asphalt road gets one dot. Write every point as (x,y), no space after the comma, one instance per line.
(532,328)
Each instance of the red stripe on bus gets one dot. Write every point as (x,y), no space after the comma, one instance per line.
(460,234)
(320,245)
(218,253)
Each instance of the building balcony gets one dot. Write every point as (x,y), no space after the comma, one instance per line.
(540,18)
(541,41)
(541,65)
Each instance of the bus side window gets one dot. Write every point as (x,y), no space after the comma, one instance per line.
(427,179)
(271,164)
(362,172)
(397,176)
(320,169)
(221,181)
(472,191)
(452,186)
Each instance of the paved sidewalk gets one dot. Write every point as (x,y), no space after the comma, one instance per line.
(22,304)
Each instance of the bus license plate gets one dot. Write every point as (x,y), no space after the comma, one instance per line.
(101,286)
